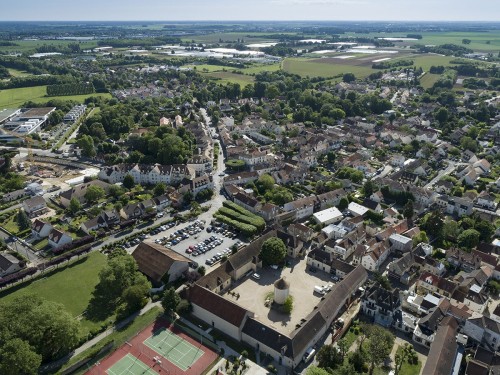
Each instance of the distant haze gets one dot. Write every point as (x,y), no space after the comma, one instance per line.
(170,10)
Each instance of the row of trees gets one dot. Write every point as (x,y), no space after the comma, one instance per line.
(70,89)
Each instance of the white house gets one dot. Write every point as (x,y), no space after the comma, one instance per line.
(356,209)
(35,206)
(400,242)
(40,229)
(58,238)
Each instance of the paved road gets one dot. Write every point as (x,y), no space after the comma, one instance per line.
(451,166)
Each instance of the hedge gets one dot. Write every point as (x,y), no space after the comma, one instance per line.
(259,224)
(246,229)
(242,211)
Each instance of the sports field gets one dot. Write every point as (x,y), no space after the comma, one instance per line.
(174,348)
(159,349)
(130,365)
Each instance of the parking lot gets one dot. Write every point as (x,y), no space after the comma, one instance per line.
(204,244)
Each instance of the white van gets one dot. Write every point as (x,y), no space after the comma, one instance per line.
(309,354)
(319,290)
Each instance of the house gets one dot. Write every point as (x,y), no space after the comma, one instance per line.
(485,362)
(105,219)
(372,205)
(78,192)
(132,211)
(356,209)
(400,243)
(443,354)
(483,330)
(9,264)
(427,326)
(463,260)
(149,174)
(403,269)
(198,184)
(486,201)
(160,264)
(380,305)
(35,206)
(326,262)
(40,229)
(301,231)
(161,202)
(58,238)
(375,256)
(328,216)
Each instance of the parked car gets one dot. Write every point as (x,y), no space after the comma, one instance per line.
(256,276)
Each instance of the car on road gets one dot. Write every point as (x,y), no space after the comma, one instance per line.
(256,276)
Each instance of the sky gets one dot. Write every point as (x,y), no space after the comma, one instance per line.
(186,10)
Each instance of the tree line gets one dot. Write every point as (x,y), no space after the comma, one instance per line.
(70,89)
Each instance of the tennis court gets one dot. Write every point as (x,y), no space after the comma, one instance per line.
(174,348)
(130,365)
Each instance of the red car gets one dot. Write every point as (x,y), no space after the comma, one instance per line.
(189,251)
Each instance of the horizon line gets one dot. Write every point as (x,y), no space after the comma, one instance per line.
(249,20)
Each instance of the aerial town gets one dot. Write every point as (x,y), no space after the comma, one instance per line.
(317,199)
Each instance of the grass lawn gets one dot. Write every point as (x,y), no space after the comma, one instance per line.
(71,286)
(409,369)
(11,224)
(228,77)
(41,243)
(17,73)
(12,98)
(428,80)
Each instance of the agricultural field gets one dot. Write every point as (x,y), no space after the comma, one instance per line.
(12,98)
(358,64)
(428,80)
(488,41)
(248,37)
(326,67)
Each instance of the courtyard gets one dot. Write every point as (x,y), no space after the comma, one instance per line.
(253,294)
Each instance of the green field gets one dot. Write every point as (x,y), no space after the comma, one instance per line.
(72,285)
(314,68)
(31,45)
(428,80)
(248,37)
(228,77)
(12,98)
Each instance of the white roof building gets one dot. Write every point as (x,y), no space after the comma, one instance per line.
(356,209)
(328,216)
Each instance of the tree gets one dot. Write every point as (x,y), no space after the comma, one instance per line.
(357,360)
(368,188)
(44,325)
(450,230)
(187,197)
(23,221)
(328,357)
(115,191)
(74,206)
(288,305)
(468,239)
(466,41)
(159,189)
(135,295)
(442,115)
(406,353)
(419,238)
(202,270)
(128,182)
(343,348)
(313,370)
(120,282)
(485,229)
(348,77)
(382,280)
(265,183)
(86,143)
(273,251)
(94,193)
(343,204)
(408,210)
(433,224)
(170,301)
(17,357)
(379,346)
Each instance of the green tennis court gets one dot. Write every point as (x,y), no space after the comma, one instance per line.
(130,365)
(174,348)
